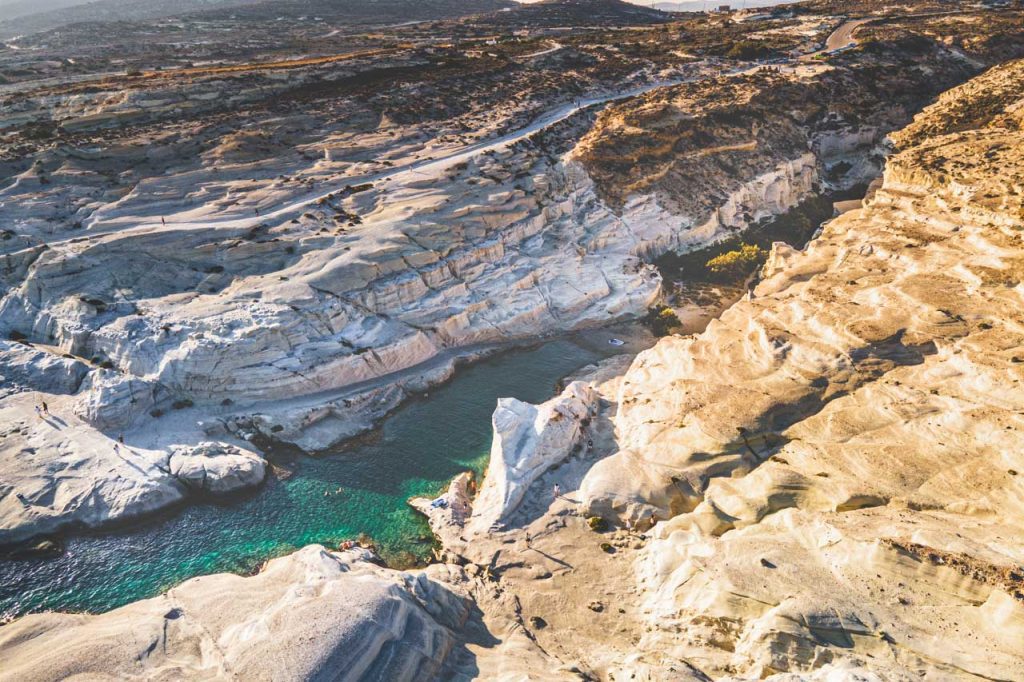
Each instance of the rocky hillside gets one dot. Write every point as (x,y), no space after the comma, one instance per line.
(712,137)
(988,101)
(825,484)
(379,11)
(835,464)
(561,13)
(285,250)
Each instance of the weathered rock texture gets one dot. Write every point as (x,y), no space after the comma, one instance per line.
(832,471)
(529,440)
(835,464)
(313,615)
(59,471)
(229,301)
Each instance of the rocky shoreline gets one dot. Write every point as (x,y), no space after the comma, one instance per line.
(222,325)
(821,483)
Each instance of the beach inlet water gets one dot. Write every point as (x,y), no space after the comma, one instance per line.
(362,488)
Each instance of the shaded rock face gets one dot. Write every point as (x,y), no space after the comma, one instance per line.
(313,615)
(834,464)
(26,367)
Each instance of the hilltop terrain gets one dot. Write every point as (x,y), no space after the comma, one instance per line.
(93,15)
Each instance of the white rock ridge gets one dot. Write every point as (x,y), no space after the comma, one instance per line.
(528,440)
(835,465)
(312,615)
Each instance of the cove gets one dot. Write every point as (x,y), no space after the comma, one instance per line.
(416,451)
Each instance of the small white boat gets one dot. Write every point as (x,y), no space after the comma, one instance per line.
(617,342)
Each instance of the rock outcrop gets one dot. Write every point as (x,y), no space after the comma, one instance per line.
(824,484)
(58,471)
(833,466)
(528,440)
(302,307)
(217,467)
(313,615)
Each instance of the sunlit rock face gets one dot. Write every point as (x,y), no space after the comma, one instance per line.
(529,440)
(835,463)
(175,284)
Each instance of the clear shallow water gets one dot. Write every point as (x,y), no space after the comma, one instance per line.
(416,452)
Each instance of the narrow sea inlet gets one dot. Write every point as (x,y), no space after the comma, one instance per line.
(360,489)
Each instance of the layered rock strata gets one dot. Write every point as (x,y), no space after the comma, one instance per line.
(286,329)
(831,471)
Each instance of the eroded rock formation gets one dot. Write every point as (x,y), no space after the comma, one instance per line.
(824,483)
(836,461)
(311,615)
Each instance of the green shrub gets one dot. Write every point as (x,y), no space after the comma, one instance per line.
(737,264)
(750,49)
(662,320)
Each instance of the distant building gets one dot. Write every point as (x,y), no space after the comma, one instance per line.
(724,8)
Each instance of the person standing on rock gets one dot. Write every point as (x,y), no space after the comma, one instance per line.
(39,412)
(46,408)
(557,491)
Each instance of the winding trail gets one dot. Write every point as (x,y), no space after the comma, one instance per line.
(843,36)
(840,38)
(97,225)
(555,47)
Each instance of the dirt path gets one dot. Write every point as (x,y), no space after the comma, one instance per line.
(839,38)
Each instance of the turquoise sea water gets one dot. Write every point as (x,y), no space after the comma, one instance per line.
(416,452)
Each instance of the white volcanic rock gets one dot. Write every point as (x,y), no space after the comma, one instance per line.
(281,330)
(58,471)
(111,401)
(835,464)
(278,310)
(528,440)
(217,467)
(315,423)
(312,615)
(25,367)
(306,324)
(657,230)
